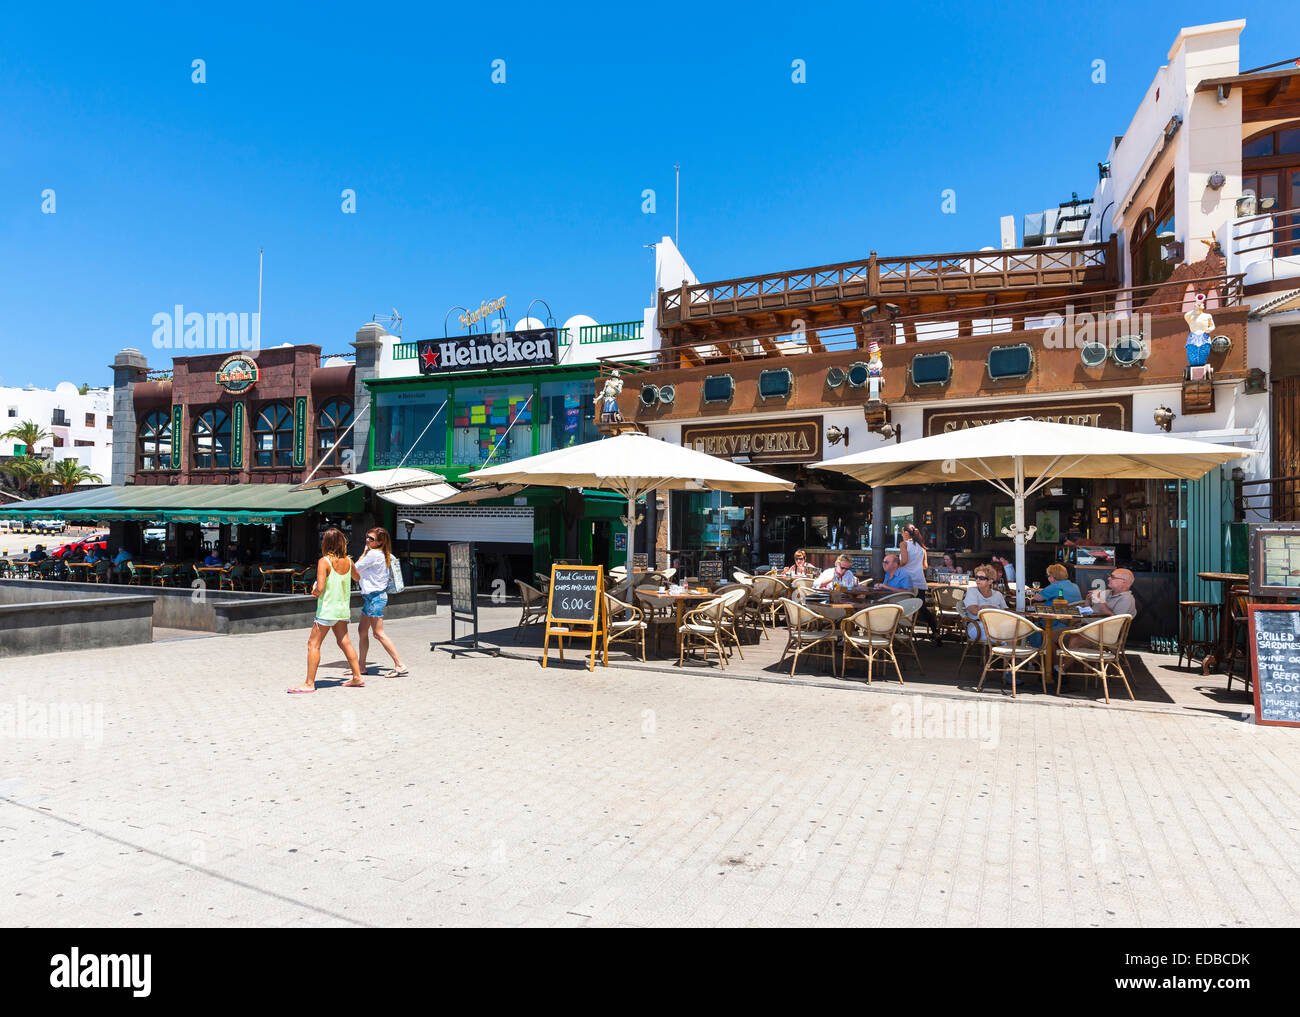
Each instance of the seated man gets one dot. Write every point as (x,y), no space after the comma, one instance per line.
(894,579)
(1117,598)
(118,565)
(92,555)
(213,560)
(38,554)
(838,575)
(1060,586)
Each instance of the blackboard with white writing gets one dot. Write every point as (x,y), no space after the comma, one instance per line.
(575,594)
(710,571)
(1275,663)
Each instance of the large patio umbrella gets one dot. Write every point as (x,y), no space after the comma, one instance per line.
(1005,453)
(634,465)
(412,487)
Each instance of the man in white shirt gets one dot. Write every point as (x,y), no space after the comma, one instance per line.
(838,575)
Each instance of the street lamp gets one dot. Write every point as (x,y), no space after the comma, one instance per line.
(410,565)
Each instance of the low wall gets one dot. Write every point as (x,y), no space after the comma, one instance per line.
(226,611)
(41,621)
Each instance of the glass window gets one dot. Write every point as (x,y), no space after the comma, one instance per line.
(331,424)
(490,426)
(567,414)
(410,422)
(155,438)
(1263,145)
(212,440)
(273,436)
(1288,141)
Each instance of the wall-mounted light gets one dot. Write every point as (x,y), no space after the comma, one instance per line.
(1103,170)
(869,312)
(1222,93)
(1164,418)
(834,436)
(1247,204)
(1256,381)
(888,430)
(1221,344)
(1171,128)
(1216,181)
(1103,513)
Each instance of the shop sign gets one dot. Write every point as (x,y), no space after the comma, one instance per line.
(238,373)
(299,432)
(1115,413)
(178,414)
(485,308)
(768,441)
(237,435)
(531,348)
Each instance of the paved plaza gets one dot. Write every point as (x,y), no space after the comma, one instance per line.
(177,784)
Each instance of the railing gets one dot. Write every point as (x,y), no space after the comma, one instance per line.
(963,272)
(617,332)
(1278,498)
(1274,234)
(1169,297)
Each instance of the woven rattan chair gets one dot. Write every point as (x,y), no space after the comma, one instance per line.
(1102,652)
(534,606)
(905,635)
(622,621)
(805,630)
(1008,635)
(704,627)
(948,603)
(870,634)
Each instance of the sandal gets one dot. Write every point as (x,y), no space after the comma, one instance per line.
(296,691)
(394,672)
(352,685)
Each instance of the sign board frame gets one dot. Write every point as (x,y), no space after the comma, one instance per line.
(1257,534)
(463,572)
(1251,651)
(574,626)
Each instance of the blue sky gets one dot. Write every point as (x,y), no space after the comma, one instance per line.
(466,190)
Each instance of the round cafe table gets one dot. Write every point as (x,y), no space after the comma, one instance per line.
(1227,581)
(680,599)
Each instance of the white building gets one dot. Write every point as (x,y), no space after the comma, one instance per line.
(80,426)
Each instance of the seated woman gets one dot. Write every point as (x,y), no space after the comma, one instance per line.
(1060,586)
(980,598)
(801,566)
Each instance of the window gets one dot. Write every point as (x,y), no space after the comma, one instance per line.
(1010,362)
(491,426)
(59,418)
(79,443)
(931,369)
(331,424)
(1153,230)
(13,411)
(410,426)
(719,388)
(566,415)
(775,384)
(273,436)
(155,441)
(90,420)
(212,440)
(109,423)
(1270,170)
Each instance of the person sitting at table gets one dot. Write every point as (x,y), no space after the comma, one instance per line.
(92,555)
(839,575)
(1060,587)
(213,560)
(118,565)
(949,562)
(895,579)
(1117,598)
(1006,570)
(38,554)
(979,599)
(801,566)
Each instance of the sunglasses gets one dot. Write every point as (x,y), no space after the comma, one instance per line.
(984,578)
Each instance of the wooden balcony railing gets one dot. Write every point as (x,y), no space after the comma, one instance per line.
(1071,265)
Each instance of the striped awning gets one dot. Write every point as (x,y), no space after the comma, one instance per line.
(188,503)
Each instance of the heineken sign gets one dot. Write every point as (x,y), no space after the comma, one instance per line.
(531,348)
(238,373)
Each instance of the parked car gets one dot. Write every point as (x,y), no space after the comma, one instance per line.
(49,525)
(99,541)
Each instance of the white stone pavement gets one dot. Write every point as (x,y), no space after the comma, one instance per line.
(193,791)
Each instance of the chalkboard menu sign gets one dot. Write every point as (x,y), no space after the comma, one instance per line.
(861,564)
(462,577)
(776,561)
(710,571)
(640,559)
(1274,559)
(1275,663)
(575,594)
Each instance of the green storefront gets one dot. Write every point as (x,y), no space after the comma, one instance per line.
(455,423)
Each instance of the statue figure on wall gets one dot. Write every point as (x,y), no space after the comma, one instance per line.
(607,401)
(875,372)
(1199,324)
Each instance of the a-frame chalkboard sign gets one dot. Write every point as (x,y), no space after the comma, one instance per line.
(1275,663)
(575,607)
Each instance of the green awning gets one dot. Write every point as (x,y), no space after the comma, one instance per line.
(189,503)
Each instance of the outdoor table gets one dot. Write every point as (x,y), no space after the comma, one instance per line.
(1048,617)
(280,575)
(147,570)
(680,599)
(1227,581)
(82,576)
(210,572)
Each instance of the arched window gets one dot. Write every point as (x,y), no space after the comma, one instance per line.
(273,436)
(1152,231)
(1270,170)
(155,441)
(331,422)
(212,440)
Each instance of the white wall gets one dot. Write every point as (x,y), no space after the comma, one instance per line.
(20,404)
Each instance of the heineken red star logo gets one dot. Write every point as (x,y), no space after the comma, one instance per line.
(430,357)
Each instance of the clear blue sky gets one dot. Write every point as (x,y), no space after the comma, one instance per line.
(467,190)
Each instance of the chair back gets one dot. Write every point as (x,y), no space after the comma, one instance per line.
(800,586)
(667,573)
(1109,633)
(799,617)
(530,594)
(101,567)
(876,620)
(1006,626)
(949,598)
(733,597)
(897,598)
(767,587)
(741,576)
(614,607)
(910,607)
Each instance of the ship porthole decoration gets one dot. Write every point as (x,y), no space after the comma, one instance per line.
(1093,353)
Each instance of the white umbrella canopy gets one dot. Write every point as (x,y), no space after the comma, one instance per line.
(634,465)
(1011,450)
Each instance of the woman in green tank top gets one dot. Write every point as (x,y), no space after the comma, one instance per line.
(333,593)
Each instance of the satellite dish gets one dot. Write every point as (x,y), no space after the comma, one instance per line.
(335,362)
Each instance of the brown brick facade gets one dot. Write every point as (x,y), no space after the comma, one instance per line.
(286,374)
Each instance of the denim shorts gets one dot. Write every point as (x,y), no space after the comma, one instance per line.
(373,604)
(329,623)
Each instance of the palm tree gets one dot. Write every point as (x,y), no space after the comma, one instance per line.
(68,473)
(29,433)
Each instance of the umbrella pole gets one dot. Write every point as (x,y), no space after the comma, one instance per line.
(1020,533)
(631,530)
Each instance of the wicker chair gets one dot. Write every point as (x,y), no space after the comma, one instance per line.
(734,601)
(870,634)
(765,596)
(705,626)
(1008,633)
(622,621)
(949,606)
(806,629)
(1103,651)
(906,632)
(534,607)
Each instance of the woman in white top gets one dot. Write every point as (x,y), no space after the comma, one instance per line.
(373,568)
(911,557)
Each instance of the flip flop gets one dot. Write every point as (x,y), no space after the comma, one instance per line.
(296,691)
(393,672)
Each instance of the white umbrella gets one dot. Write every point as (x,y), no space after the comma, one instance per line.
(408,486)
(634,465)
(1012,449)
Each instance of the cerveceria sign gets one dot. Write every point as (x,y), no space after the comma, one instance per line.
(466,353)
(1115,413)
(238,373)
(769,441)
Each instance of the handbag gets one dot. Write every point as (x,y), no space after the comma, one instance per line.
(395,584)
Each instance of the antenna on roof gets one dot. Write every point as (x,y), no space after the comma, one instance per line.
(393,322)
